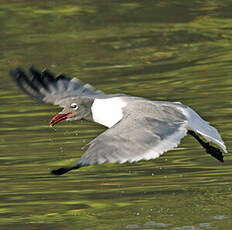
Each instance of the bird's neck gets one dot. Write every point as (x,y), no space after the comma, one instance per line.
(87,104)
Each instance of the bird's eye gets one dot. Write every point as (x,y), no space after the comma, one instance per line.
(74,106)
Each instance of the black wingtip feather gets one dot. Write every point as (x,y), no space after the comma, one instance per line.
(60,171)
(62,77)
(215,152)
(25,83)
(37,78)
(15,74)
(48,77)
(45,87)
(63,170)
(37,84)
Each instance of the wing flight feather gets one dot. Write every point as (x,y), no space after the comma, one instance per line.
(45,87)
(132,140)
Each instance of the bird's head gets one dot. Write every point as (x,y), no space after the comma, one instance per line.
(74,109)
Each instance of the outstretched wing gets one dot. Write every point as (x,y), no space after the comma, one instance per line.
(45,87)
(132,140)
(197,124)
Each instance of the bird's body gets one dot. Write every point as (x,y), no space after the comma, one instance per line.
(138,128)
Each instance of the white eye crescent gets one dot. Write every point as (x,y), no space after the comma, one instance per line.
(74,106)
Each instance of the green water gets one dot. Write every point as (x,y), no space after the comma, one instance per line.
(161,50)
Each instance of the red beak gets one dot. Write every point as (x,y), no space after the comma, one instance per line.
(59,117)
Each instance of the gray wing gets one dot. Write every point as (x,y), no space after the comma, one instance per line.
(134,139)
(43,86)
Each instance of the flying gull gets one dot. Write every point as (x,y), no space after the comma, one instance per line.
(138,128)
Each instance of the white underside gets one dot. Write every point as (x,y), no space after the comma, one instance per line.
(108,111)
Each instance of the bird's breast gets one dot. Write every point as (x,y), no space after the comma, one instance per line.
(108,111)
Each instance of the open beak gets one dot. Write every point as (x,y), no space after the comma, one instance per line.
(59,117)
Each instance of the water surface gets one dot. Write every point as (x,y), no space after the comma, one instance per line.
(161,50)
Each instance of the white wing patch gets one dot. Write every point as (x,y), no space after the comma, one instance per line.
(108,111)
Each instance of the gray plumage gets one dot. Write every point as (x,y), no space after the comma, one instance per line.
(141,134)
(43,86)
(138,128)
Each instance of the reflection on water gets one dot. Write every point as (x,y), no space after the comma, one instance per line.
(177,51)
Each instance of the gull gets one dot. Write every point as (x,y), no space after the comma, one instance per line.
(138,128)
